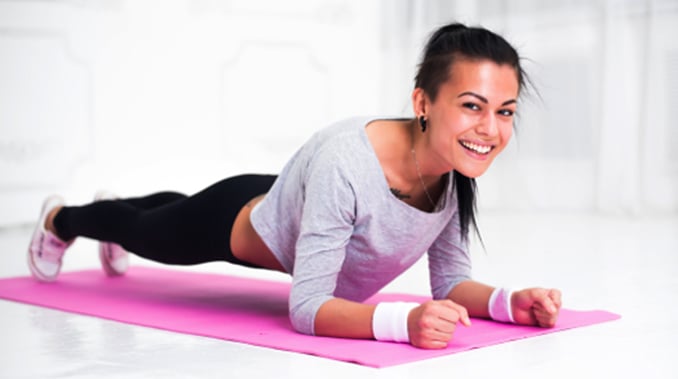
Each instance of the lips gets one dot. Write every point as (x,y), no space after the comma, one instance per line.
(477,148)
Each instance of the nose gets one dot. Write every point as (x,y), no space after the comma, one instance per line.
(488,126)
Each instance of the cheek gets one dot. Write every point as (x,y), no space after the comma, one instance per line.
(505,133)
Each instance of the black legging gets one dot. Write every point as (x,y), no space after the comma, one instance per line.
(168,227)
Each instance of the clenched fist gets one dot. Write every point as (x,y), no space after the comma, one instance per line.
(536,306)
(432,324)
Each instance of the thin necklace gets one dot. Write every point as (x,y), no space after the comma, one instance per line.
(416,164)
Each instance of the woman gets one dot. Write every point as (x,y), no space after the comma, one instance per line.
(356,206)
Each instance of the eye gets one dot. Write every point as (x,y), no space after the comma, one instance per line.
(506,112)
(471,106)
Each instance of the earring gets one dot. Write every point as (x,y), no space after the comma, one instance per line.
(422,123)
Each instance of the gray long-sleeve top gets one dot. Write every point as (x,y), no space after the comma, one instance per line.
(334,225)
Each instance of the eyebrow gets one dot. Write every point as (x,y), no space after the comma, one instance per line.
(483,99)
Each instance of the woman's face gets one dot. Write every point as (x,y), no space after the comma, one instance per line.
(471,119)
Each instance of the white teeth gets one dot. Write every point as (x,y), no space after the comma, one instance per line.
(477,148)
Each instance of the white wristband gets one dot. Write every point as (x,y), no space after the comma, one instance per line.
(500,305)
(389,322)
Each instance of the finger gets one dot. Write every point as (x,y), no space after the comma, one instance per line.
(439,334)
(460,313)
(556,296)
(439,318)
(546,320)
(541,313)
(546,302)
(449,316)
(432,344)
(445,336)
(464,317)
(444,326)
(543,317)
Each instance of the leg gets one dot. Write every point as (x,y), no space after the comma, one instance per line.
(114,258)
(46,250)
(188,230)
(154,200)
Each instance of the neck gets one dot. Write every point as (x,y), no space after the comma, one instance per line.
(419,145)
(430,185)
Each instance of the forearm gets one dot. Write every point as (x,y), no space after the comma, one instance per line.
(474,296)
(343,318)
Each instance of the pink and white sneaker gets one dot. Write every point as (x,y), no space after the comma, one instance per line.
(114,259)
(46,249)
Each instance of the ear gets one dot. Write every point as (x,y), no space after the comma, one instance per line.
(420,102)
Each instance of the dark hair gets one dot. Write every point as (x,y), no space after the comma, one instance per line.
(448,44)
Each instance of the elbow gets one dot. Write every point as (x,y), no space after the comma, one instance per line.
(302,317)
(300,325)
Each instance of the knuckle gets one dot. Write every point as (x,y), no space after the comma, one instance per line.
(428,306)
(425,322)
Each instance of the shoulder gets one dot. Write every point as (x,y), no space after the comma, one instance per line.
(339,142)
(340,132)
(345,136)
(339,149)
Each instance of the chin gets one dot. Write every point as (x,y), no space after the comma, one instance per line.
(473,167)
(471,172)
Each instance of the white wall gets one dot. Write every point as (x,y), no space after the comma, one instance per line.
(144,95)
(138,96)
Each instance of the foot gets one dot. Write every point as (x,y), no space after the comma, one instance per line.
(46,250)
(114,259)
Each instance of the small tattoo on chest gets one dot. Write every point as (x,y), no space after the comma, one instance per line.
(397,193)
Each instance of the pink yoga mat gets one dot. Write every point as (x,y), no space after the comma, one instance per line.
(245,310)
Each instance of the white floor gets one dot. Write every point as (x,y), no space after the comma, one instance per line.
(625,265)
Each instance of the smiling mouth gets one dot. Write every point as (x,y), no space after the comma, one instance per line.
(478,149)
